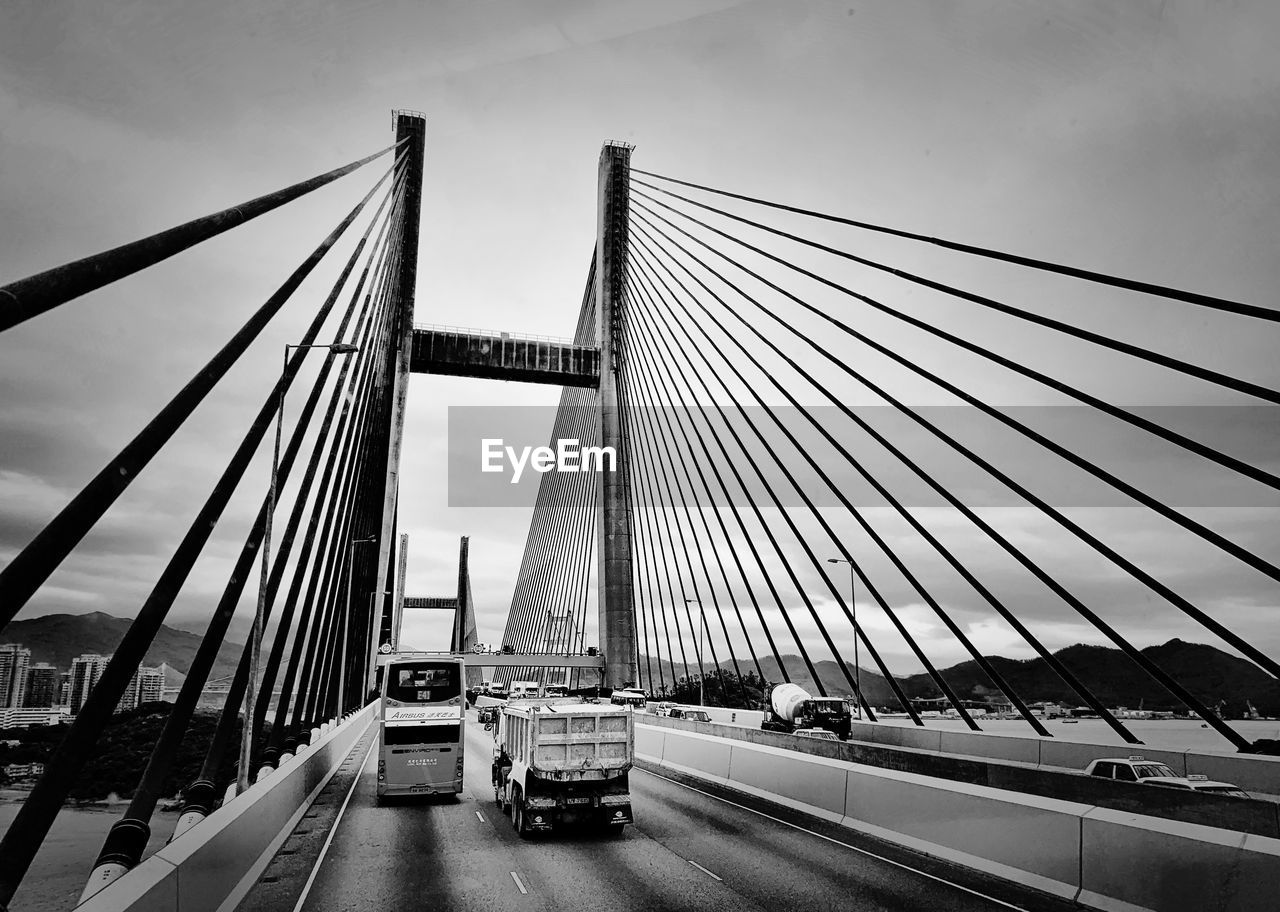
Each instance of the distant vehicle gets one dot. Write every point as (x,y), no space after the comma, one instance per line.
(562,764)
(635,698)
(555,690)
(664,708)
(1134,768)
(421,726)
(485,687)
(818,734)
(1198,783)
(692,715)
(790,707)
(498,690)
(523,690)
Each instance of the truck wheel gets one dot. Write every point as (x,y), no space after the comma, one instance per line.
(518,817)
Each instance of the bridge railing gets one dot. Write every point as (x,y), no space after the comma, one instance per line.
(492,333)
(212,866)
(1099,857)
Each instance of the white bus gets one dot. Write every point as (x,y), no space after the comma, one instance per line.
(421,726)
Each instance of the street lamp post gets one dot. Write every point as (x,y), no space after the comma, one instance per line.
(255,646)
(853,604)
(369,674)
(351,582)
(702,673)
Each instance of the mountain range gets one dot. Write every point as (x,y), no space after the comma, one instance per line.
(1205,671)
(59,638)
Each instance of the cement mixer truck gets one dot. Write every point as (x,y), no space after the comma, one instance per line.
(791,707)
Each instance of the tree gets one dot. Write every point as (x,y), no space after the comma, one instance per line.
(721,687)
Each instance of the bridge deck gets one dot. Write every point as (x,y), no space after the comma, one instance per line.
(687,850)
(503,356)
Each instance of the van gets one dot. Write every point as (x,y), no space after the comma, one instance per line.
(634,698)
(524,690)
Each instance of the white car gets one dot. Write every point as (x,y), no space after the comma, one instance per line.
(1152,772)
(692,715)
(1135,768)
(818,734)
(664,708)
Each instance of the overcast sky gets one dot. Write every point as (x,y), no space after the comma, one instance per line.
(1134,138)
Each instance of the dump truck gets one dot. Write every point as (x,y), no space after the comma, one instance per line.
(791,707)
(563,762)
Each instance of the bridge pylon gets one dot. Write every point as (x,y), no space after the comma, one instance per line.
(616,598)
(411,129)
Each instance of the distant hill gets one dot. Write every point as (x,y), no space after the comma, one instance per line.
(59,638)
(1206,671)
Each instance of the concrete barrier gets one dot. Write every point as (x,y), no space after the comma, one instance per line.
(1024,838)
(976,744)
(749,718)
(1246,816)
(816,783)
(1103,858)
(213,865)
(1131,863)
(1252,772)
(649,743)
(929,739)
(703,755)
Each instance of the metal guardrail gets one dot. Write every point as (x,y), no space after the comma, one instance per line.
(496,334)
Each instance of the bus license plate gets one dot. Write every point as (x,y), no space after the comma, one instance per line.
(577,801)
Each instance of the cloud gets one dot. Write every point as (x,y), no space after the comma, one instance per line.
(1120,138)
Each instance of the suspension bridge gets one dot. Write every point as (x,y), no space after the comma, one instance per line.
(711,358)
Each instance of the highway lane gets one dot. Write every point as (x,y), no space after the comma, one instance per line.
(689,850)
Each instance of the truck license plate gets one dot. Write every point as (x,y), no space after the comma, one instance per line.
(577,801)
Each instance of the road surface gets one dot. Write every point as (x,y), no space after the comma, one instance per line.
(693,846)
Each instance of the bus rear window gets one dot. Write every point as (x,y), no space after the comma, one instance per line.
(424,682)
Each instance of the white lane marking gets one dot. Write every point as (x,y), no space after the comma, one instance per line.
(479,816)
(311,878)
(897,864)
(703,870)
(519,883)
